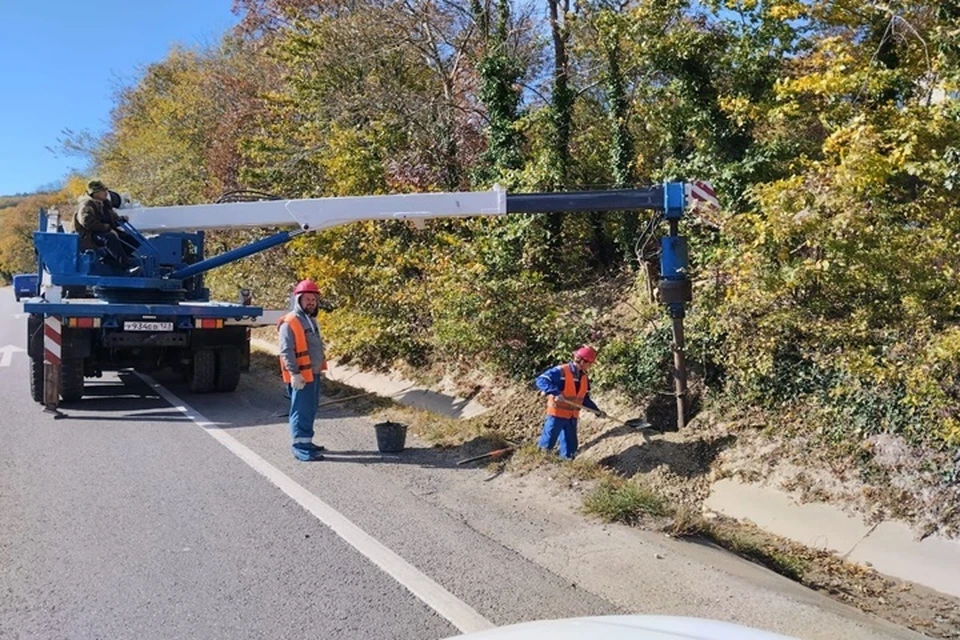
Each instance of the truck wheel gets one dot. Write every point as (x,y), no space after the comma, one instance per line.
(228,369)
(71,379)
(36,380)
(204,374)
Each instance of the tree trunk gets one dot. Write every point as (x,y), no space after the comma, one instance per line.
(561,119)
(621,154)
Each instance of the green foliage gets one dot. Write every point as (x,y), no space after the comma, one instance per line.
(624,501)
(499,73)
(831,291)
(172,132)
(843,276)
(503,322)
(270,275)
(636,364)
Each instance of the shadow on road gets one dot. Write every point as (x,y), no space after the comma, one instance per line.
(126,400)
(421,457)
(427,457)
(258,401)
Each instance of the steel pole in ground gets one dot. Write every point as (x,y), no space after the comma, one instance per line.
(675,292)
(679,371)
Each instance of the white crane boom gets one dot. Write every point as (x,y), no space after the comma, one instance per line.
(319,213)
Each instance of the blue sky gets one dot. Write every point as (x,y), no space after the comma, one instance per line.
(62,62)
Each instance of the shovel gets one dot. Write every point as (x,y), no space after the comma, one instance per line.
(362,395)
(635,423)
(493,454)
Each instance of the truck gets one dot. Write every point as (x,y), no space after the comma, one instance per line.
(88,316)
(25,285)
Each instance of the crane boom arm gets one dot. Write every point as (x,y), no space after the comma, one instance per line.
(314,214)
(322,213)
(319,213)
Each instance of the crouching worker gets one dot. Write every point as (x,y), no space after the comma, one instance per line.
(302,365)
(566,382)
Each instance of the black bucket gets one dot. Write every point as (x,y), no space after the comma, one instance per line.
(391,436)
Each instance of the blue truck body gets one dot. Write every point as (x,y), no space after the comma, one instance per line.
(111,320)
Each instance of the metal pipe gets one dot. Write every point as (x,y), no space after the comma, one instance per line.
(677,311)
(679,371)
(573,202)
(235,254)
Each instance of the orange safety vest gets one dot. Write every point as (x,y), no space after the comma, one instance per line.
(558,409)
(300,349)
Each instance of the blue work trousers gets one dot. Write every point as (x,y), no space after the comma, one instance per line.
(562,429)
(303,411)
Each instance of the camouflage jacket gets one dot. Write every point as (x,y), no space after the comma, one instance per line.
(93,217)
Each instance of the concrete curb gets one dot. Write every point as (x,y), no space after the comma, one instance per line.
(889,547)
(399,389)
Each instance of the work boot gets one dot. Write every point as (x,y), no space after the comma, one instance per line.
(306,455)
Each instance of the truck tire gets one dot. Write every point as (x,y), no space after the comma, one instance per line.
(71,379)
(228,369)
(36,379)
(203,375)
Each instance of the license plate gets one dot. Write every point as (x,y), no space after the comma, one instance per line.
(148,326)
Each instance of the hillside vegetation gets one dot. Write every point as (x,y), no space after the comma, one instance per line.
(828,301)
(19,219)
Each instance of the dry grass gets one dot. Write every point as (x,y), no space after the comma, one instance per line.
(744,540)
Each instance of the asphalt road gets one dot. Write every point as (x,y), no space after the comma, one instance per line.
(127,520)
(151,513)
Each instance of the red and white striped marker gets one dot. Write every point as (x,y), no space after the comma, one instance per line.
(700,194)
(52,339)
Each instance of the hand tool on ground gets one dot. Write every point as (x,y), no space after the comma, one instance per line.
(285,414)
(362,395)
(492,454)
(634,423)
(345,398)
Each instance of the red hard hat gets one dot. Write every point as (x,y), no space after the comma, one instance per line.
(586,353)
(306,286)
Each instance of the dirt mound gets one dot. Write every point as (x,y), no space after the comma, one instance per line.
(517,417)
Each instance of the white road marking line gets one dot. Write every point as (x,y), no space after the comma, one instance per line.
(6,354)
(460,614)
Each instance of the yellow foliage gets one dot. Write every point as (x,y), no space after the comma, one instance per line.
(950,431)
(76,186)
(352,161)
(787,10)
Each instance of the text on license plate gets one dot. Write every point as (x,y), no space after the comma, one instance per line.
(147,326)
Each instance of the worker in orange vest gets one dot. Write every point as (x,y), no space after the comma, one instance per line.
(302,364)
(566,382)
